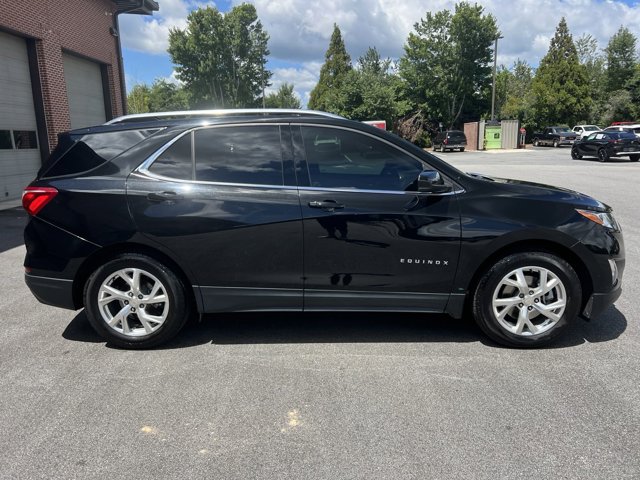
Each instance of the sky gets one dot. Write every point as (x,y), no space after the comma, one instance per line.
(300,30)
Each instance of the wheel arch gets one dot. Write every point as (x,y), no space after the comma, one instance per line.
(105,254)
(545,246)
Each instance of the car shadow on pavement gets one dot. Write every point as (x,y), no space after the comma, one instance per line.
(297,328)
(12,223)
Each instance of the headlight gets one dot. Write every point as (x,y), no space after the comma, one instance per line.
(601,218)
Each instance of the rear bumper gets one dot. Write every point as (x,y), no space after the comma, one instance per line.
(51,291)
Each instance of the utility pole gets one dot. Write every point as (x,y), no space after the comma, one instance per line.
(493,89)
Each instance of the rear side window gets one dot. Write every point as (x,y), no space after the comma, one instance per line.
(456,136)
(239,154)
(75,155)
(175,161)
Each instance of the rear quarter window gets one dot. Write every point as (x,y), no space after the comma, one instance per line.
(78,154)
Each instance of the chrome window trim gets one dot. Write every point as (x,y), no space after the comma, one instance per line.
(143,168)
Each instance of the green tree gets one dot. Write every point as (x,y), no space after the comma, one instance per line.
(221,58)
(560,87)
(633,87)
(138,99)
(283,98)
(621,58)
(166,97)
(372,91)
(447,61)
(337,64)
(618,106)
(518,104)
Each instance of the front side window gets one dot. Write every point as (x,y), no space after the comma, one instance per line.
(340,158)
(239,154)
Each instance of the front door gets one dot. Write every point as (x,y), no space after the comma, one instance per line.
(370,241)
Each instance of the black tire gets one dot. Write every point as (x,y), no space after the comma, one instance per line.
(536,142)
(462,149)
(575,155)
(634,158)
(556,143)
(603,155)
(491,281)
(177,311)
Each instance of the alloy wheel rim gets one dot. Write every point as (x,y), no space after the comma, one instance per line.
(529,301)
(133,302)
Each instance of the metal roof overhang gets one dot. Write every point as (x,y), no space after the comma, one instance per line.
(139,7)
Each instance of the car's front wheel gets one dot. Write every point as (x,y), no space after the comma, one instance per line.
(634,158)
(556,143)
(527,299)
(575,155)
(134,301)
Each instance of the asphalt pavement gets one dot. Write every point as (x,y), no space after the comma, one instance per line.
(338,396)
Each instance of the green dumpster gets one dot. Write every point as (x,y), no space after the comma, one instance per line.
(492,139)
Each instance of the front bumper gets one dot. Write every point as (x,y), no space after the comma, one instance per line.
(599,302)
(51,291)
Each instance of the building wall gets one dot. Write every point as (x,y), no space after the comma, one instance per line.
(76,26)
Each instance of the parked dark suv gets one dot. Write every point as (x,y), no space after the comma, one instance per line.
(450,140)
(152,218)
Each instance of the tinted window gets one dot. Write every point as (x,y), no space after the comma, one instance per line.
(25,139)
(175,161)
(458,136)
(620,135)
(239,154)
(92,150)
(343,158)
(5,140)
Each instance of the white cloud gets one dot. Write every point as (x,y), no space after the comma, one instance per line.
(300,29)
(150,34)
(304,78)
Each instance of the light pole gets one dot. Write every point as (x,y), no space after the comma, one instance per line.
(493,89)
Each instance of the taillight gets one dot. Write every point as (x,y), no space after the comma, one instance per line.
(35,198)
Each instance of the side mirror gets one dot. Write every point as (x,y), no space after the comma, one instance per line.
(430,181)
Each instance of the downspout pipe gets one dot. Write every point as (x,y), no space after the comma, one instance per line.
(116,25)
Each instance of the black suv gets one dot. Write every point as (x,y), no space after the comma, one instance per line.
(152,218)
(450,140)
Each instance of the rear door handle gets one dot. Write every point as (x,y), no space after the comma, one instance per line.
(329,205)
(164,196)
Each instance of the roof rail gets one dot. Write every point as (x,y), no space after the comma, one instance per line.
(216,113)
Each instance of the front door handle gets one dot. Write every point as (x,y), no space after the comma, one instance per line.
(329,205)
(164,196)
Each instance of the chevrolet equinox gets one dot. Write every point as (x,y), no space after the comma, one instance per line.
(152,218)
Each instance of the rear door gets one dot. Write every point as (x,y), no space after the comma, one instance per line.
(371,242)
(223,201)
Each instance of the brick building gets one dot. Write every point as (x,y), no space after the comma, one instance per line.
(60,68)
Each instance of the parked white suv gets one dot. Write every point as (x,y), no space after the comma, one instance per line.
(584,130)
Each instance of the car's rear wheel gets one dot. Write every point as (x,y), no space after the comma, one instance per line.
(462,149)
(603,155)
(134,301)
(575,155)
(634,158)
(536,142)
(527,299)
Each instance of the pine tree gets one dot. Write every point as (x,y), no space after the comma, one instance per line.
(561,87)
(337,65)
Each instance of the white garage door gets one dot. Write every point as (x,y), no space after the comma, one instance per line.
(84,91)
(19,154)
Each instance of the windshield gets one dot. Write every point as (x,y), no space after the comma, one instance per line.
(562,129)
(591,128)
